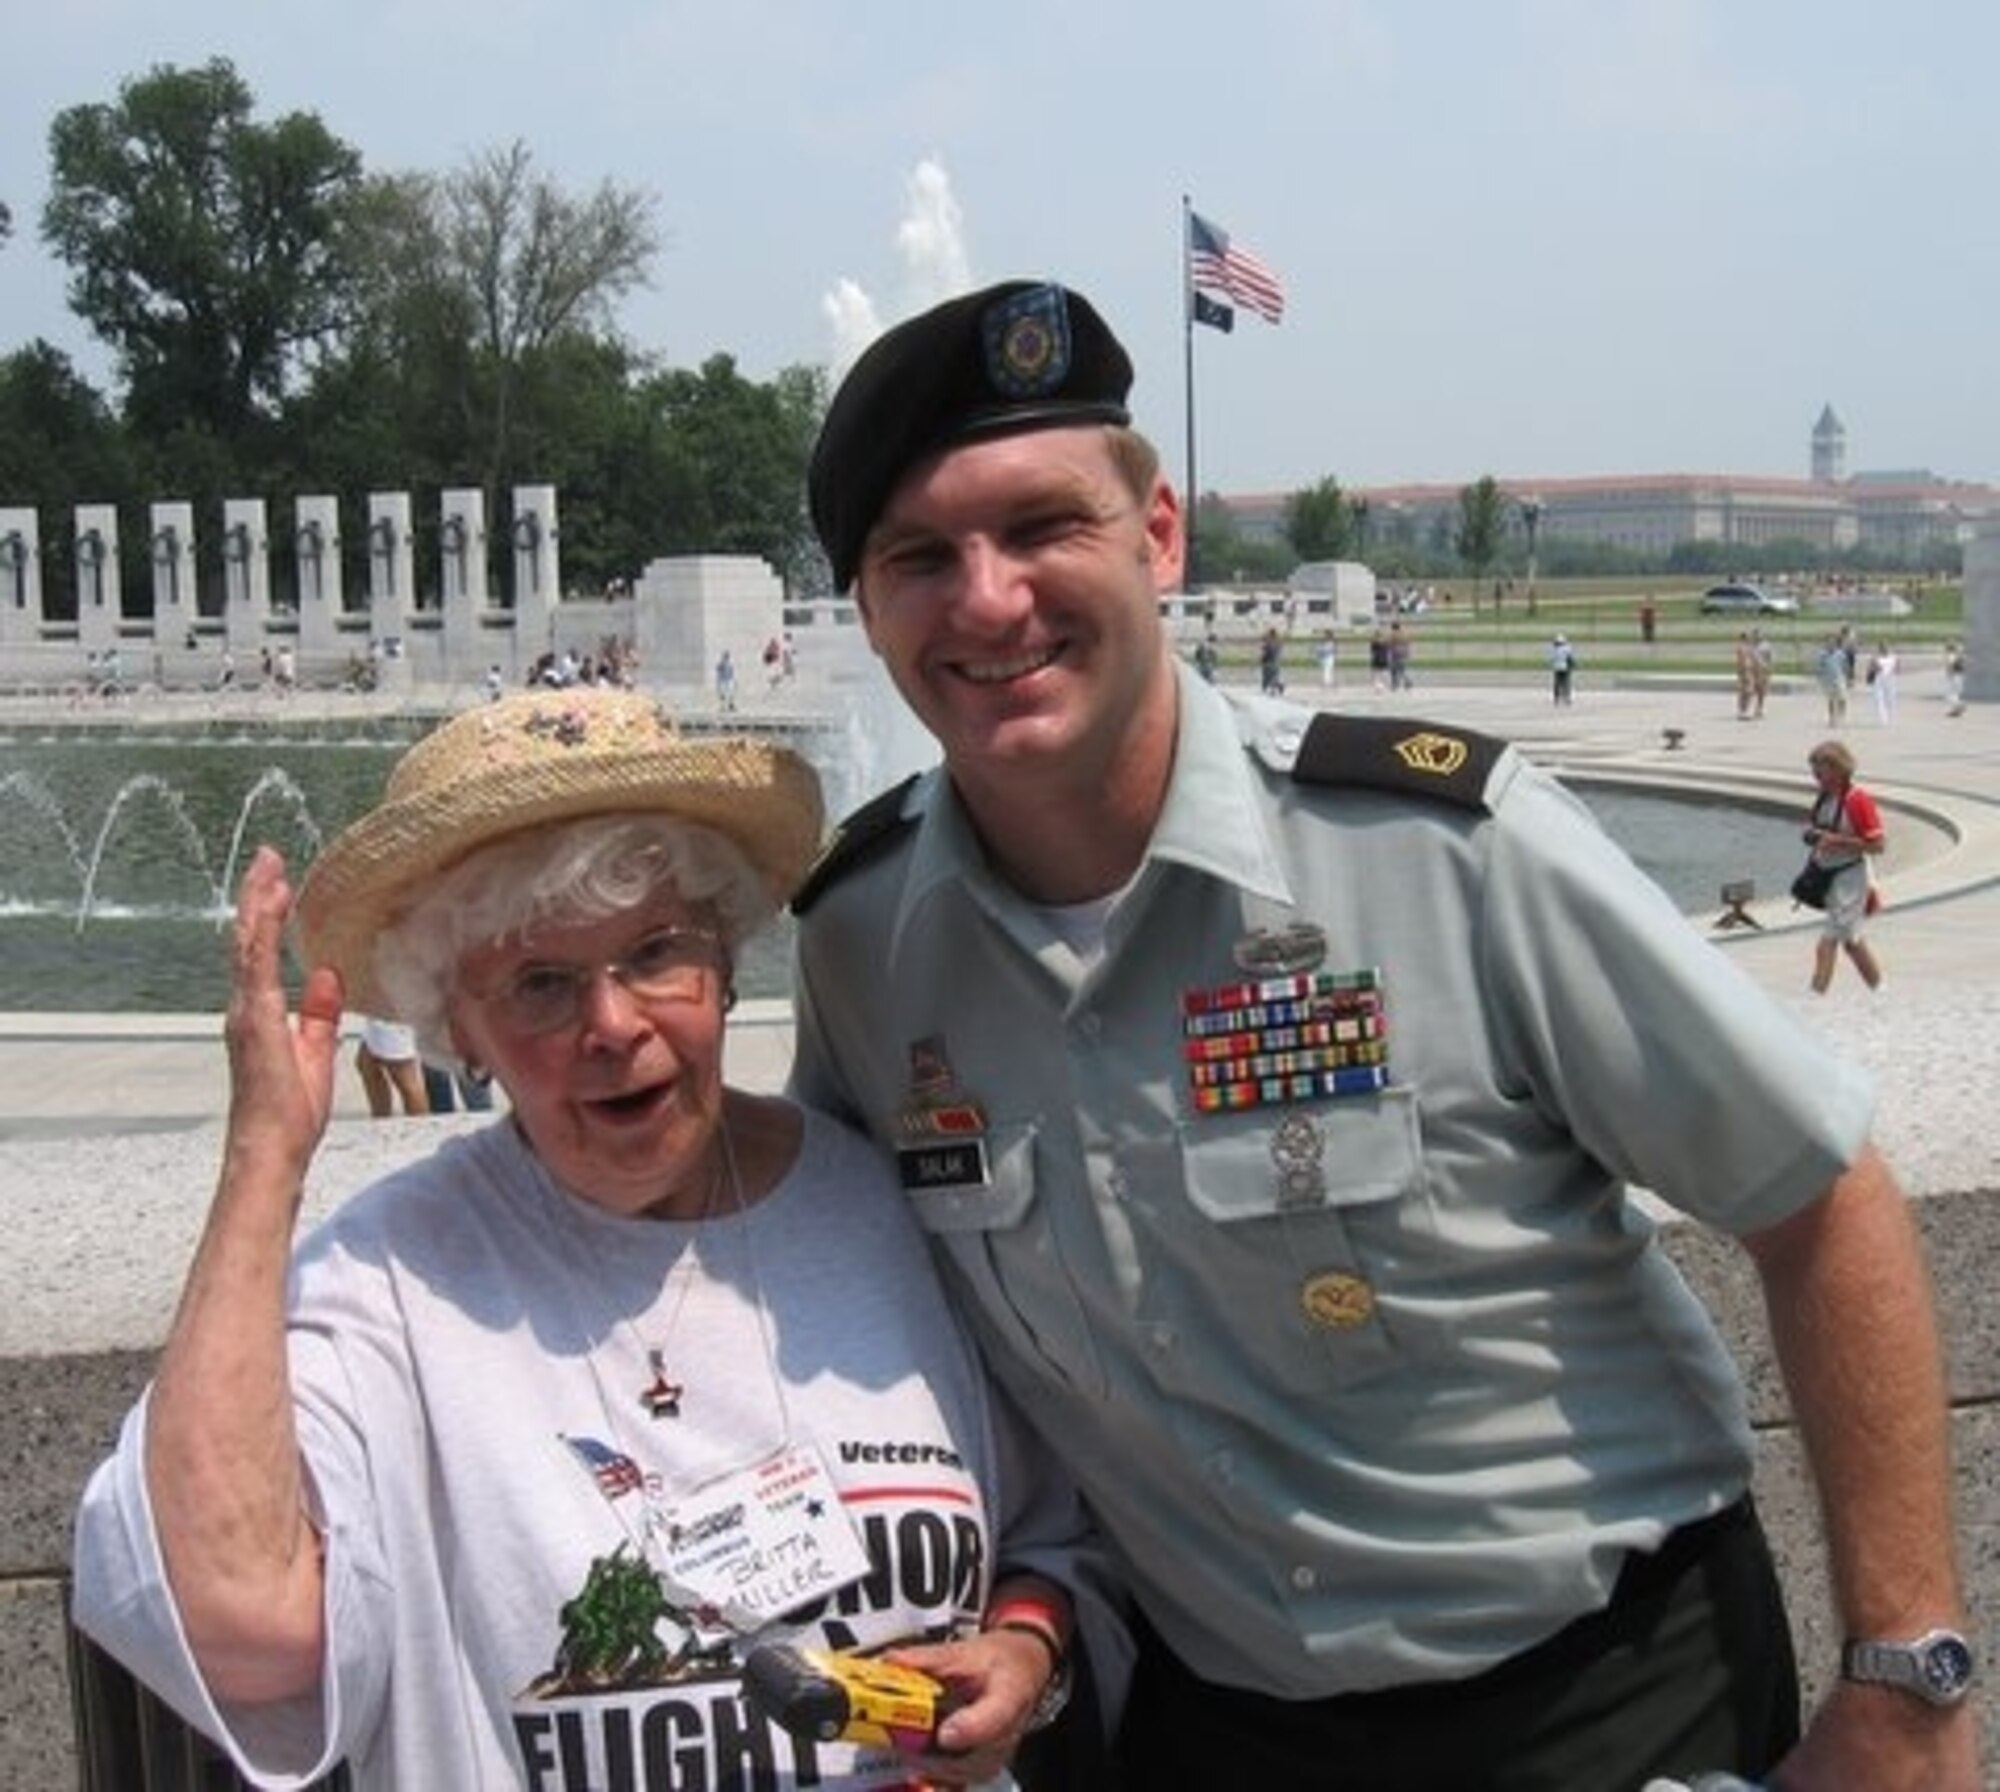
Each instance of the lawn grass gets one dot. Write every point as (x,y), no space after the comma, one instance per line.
(1601,618)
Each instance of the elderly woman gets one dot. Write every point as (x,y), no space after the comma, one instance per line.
(1844,831)
(503,1476)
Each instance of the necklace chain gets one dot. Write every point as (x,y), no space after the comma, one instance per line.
(660,1398)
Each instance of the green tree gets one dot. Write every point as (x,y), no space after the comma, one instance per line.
(60,445)
(59,438)
(483,296)
(731,460)
(531,265)
(1481,512)
(1319,522)
(203,247)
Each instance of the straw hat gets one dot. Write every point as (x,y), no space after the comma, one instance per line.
(539,757)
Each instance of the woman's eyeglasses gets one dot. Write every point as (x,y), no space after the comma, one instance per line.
(670,964)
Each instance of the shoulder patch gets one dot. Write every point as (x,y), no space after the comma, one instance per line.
(1398,753)
(870,829)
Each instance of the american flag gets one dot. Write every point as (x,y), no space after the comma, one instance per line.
(615,1472)
(1220,265)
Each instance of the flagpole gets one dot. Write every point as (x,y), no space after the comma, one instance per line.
(1187,359)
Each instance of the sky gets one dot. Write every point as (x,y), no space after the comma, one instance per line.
(1530,238)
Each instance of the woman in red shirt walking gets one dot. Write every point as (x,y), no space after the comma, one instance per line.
(1844,831)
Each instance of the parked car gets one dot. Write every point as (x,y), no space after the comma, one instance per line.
(1739,599)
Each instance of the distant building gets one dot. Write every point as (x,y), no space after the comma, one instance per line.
(1907,514)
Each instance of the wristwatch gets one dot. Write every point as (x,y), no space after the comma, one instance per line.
(1937,1666)
(1054,1699)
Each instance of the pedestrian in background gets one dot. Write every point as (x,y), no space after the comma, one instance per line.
(1761,663)
(1378,659)
(1746,675)
(1882,670)
(386,1059)
(1833,674)
(1562,668)
(1271,664)
(1844,832)
(1399,658)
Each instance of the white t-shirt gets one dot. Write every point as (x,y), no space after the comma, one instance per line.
(469,1350)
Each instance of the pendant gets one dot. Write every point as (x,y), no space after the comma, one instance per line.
(661,1398)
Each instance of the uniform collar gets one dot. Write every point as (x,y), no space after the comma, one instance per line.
(1211,821)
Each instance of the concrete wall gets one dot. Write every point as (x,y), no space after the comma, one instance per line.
(109,1267)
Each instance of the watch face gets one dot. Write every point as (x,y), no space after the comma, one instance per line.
(1948,1666)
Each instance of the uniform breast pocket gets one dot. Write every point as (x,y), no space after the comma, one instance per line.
(1321,1232)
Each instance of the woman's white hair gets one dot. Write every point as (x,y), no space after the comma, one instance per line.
(575,871)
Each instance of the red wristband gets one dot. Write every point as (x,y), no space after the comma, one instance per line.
(1039,1618)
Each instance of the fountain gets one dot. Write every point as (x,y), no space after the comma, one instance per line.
(183,830)
(119,854)
(120,850)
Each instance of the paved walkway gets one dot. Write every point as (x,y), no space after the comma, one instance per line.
(1932,1038)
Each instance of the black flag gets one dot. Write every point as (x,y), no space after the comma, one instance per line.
(1214,313)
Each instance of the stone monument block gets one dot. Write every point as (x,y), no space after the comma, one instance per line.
(100,603)
(537,568)
(392,589)
(688,609)
(246,574)
(316,551)
(170,548)
(20,576)
(462,563)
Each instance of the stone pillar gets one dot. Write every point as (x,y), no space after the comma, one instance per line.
(316,545)
(537,570)
(99,602)
(170,548)
(1982,613)
(246,576)
(392,591)
(20,576)
(462,554)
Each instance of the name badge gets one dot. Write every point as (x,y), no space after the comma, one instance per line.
(758,1542)
(958,1163)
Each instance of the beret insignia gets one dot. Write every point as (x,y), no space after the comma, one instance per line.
(1027,342)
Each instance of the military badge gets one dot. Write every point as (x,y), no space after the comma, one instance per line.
(1276,952)
(1027,342)
(941,1133)
(1292,1038)
(1337,1301)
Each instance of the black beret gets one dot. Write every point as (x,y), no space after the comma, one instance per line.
(1020,355)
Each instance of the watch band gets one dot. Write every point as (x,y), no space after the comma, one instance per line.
(1937,1667)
